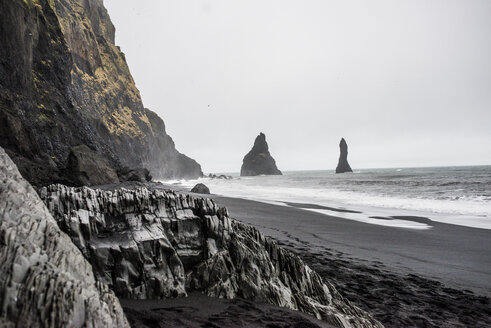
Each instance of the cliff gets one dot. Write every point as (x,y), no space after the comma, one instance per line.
(158,244)
(45,280)
(259,161)
(64,83)
(343,165)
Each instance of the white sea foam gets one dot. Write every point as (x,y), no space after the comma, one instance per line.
(381,194)
(362,217)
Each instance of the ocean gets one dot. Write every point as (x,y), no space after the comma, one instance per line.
(399,197)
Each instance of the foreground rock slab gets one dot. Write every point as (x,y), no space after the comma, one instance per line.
(44,279)
(157,244)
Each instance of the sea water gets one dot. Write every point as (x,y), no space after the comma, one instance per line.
(455,195)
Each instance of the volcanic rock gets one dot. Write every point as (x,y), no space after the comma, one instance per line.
(85,167)
(64,83)
(343,165)
(158,244)
(200,189)
(259,161)
(45,281)
(138,174)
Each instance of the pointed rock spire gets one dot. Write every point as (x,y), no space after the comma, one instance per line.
(343,165)
(259,161)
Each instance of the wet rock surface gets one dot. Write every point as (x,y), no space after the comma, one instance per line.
(343,165)
(200,189)
(157,244)
(45,281)
(259,161)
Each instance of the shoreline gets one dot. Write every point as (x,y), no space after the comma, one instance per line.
(456,255)
(404,277)
(454,198)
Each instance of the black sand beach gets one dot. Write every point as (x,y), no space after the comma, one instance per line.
(439,277)
(198,310)
(404,277)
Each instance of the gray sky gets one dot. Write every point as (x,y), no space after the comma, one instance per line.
(407,83)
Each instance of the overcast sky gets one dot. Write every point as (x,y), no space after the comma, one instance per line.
(406,83)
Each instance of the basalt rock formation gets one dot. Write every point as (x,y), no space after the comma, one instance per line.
(343,165)
(259,161)
(158,244)
(64,83)
(85,167)
(45,281)
(139,174)
(200,188)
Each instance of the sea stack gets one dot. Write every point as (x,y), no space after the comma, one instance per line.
(343,165)
(259,161)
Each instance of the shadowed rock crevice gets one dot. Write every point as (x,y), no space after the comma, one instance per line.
(259,161)
(157,244)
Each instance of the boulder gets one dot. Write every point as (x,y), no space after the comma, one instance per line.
(158,244)
(85,167)
(343,165)
(200,189)
(138,174)
(259,161)
(45,281)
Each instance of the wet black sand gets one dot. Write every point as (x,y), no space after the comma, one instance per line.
(320,207)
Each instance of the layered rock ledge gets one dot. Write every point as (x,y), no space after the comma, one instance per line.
(158,244)
(45,281)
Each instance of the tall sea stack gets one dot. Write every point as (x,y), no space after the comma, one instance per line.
(343,165)
(259,161)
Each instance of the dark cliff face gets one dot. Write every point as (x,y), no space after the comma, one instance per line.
(343,165)
(64,83)
(259,161)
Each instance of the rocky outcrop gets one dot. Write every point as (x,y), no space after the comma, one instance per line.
(138,175)
(259,161)
(156,244)
(64,83)
(85,167)
(200,188)
(343,165)
(45,281)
